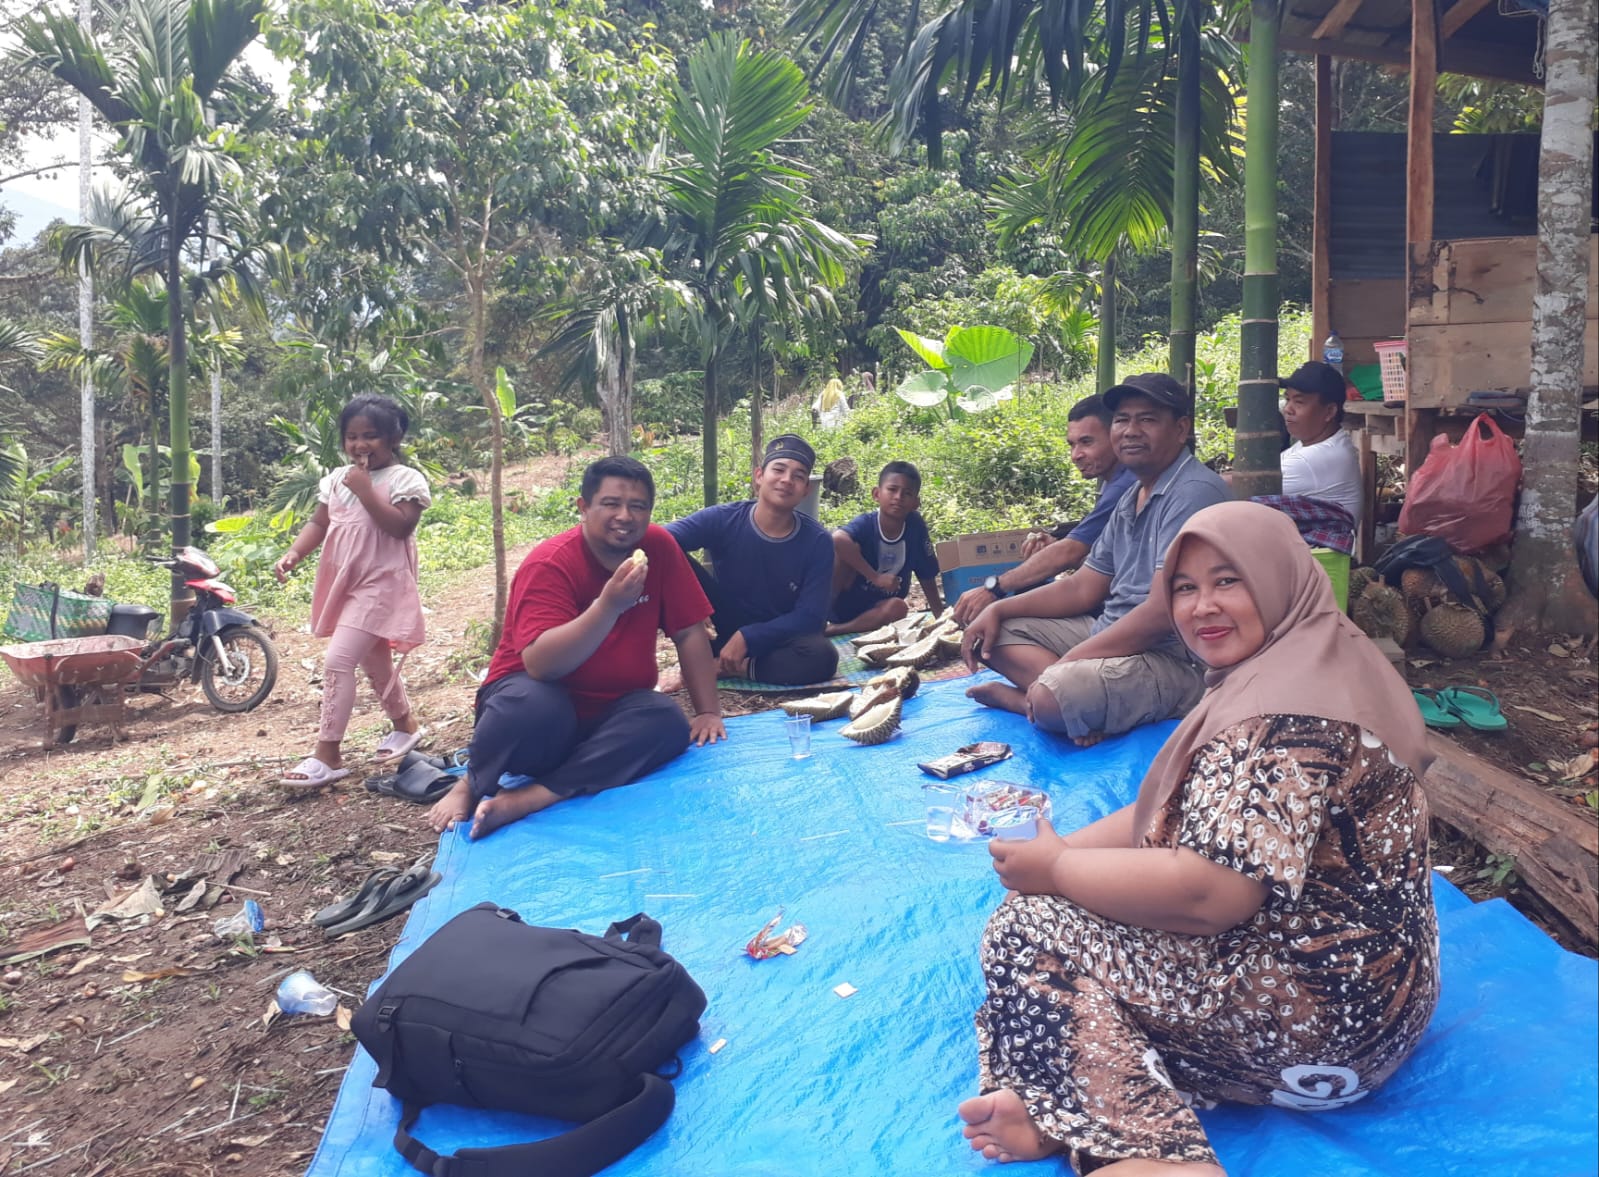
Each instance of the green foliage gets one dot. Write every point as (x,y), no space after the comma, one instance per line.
(971,370)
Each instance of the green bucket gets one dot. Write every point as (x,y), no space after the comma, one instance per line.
(1336,565)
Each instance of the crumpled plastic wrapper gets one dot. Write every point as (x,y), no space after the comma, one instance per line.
(767,943)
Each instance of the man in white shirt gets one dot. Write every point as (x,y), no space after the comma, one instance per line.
(1322,462)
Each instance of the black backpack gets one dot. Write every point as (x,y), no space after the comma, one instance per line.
(1435,555)
(490,1012)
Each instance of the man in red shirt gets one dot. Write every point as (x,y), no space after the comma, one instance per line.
(569,697)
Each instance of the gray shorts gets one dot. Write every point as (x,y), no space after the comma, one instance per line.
(1107,695)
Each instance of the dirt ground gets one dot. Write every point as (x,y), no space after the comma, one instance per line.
(142,1049)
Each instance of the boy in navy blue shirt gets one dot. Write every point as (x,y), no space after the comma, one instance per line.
(874,555)
(771,571)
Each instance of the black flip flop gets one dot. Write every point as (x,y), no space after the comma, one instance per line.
(419,779)
(382,783)
(343,909)
(388,900)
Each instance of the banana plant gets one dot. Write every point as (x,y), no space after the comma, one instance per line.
(971,370)
(25,489)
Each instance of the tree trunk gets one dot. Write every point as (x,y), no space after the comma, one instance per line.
(178,421)
(1106,358)
(708,434)
(757,425)
(1185,201)
(1546,589)
(613,406)
(477,298)
(1256,469)
(86,434)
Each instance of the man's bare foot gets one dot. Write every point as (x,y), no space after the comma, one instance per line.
(456,805)
(670,681)
(999,695)
(508,806)
(1089,740)
(998,1126)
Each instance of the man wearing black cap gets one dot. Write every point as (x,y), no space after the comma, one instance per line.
(1322,462)
(1089,676)
(771,573)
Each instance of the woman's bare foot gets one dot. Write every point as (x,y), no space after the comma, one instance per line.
(508,806)
(999,695)
(1089,740)
(998,1126)
(455,806)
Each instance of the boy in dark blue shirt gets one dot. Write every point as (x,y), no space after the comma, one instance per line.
(771,572)
(875,554)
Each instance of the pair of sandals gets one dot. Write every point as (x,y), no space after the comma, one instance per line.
(312,773)
(385,893)
(1475,707)
(418,778)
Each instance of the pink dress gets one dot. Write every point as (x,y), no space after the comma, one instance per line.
(366,578)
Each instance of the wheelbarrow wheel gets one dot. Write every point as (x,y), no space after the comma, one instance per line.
(63,697)
(252,671)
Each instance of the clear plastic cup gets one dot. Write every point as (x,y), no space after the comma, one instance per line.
(942,800)
(1015,825)
(301,993)
(799,735)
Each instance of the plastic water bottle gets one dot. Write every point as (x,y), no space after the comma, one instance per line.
(247,921)
(1332,352)
(301,993)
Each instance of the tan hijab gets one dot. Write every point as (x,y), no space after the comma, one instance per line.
(1315,661)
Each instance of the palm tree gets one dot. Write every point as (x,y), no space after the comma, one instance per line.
(735,213)
(157,71)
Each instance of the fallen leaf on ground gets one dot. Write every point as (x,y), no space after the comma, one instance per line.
(70,932)
(132,976)
(341,1017)
(199,1082)
(1549,715)
(6,1085)
(143,900)
(1577,767)
(25,1045)
(83,964)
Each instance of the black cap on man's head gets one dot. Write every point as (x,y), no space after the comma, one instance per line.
(1320,380)
(789,445)
(1158,387)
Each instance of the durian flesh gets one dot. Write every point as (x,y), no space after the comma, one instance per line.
(876,724)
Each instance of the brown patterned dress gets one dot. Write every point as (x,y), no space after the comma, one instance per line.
(1112,1034)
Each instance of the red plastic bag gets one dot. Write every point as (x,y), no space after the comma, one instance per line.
(1465,494)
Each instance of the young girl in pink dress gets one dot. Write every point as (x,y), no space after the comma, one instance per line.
(366,598)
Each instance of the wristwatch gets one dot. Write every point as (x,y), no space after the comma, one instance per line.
(991,583)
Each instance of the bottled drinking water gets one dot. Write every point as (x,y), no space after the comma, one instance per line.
(1332,352)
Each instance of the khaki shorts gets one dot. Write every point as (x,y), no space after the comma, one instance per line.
(1107,695)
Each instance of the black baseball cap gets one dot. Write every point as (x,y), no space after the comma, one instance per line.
(1158,387)
(789,445)
(1321,380)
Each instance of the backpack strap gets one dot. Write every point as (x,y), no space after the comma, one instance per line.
(581,1152)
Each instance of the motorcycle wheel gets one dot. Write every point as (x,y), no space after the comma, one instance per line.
(254,662)
(65,733)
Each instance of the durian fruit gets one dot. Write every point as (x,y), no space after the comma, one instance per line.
(1455,631)
(877,637)
(911,628)
(878,655)
(829,706)
(1359,578)
(1382,612)
(638,556)
(949,642)
(874,692)
(922,652)
(903,679)
(1420,584)
(877,724)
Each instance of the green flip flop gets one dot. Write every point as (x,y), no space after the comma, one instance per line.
(1433,712)
(1478,708)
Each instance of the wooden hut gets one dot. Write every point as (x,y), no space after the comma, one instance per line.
(1424,237)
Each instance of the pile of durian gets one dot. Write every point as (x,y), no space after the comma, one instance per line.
(1422,606)
(919,641)
(874,710)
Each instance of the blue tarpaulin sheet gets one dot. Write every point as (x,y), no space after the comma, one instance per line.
(808,1082)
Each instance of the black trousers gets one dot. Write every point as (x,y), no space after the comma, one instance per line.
(809,658)
(530,727)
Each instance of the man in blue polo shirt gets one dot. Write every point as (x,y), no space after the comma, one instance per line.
(771,573)
(1089,676)
(1088,436)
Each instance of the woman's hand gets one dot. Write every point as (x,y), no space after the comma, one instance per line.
(1029,867)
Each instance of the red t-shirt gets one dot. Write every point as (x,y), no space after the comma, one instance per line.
(560,578)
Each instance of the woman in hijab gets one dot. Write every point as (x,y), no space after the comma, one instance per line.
(1257,927)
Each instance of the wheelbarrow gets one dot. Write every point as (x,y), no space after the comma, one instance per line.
(78,680)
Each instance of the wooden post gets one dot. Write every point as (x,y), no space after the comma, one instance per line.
(1321,255)
(1419,192)
(1365,542)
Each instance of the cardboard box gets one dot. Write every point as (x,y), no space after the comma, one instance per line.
(966,561)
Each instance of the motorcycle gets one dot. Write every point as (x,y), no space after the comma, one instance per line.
(220,647)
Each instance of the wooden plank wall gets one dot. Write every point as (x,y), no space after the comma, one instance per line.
(1364,310)
(1475,332)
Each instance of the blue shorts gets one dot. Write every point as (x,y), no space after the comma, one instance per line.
(858,598)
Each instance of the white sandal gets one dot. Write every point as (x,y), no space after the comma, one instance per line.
(311,773)
(396,744)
